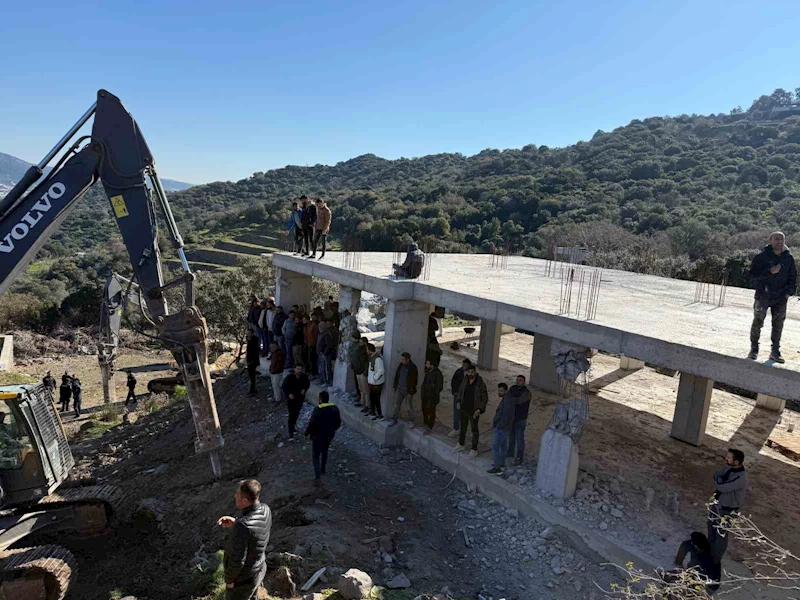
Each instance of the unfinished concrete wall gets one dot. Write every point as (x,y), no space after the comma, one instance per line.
(292,288)
(406,331)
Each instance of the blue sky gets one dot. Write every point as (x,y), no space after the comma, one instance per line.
(225,89)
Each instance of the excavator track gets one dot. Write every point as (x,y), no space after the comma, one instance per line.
(39,573)
(98,505)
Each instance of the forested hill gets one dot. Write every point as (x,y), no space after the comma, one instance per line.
(691,183)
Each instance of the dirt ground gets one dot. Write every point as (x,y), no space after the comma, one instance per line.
(369,492)
(628,439)
(145,364)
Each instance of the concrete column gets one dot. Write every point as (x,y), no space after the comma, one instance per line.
(406,331)
(489,345)
(349,300)
(543,368)
(691,410)
(770,402)
(292,288)
(626,363)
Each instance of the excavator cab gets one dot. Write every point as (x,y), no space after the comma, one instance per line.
(34,454)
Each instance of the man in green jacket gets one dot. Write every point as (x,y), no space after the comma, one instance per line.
(471,401)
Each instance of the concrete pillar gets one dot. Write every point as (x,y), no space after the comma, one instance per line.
(626,363)
(691,410)
(770,402)
(489,345)
(349,300)
(292,288)
(557,468)
(406,331)
(543,368)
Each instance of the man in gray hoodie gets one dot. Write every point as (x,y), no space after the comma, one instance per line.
(731,483)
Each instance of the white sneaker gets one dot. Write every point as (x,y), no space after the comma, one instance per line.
(473,454)
(453,433)
(458,448)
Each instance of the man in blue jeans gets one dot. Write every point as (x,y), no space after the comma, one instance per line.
(522,402)
(502,424)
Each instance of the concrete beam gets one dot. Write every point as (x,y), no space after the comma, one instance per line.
(343,378)
(770,402)
(691,410)
(489,345)
(626,363)
(406,331)
(543,367)
(292,288)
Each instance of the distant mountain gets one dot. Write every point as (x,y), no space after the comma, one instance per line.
(12,169)
(170,185)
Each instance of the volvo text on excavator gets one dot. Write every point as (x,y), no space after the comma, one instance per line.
(34,455)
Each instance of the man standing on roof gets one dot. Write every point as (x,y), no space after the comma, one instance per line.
(774,277)
(308,221)
(321,227)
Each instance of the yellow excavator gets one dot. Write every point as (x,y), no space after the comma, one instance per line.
(34,454)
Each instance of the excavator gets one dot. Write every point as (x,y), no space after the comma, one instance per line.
(116,294)
(35,457)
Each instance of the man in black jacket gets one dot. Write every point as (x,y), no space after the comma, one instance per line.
(295,386)
(308,220)
(774,277)
(131,383)
(322,427)
(252,356)
(77,395)
(455,385)
(432,385)
(245,563)
(65,392)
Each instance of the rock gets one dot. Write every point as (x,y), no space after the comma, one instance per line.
(384,451)
(512,512)
(401,519)
(562,511)
(151,509)
(354,585)
(387,558)
(280,583)
(317,548)
(299,550)
(603,526)
(128,418)
(399,582)
(555,562)
(616,513)
(614,486)
(583,493)
(578,586)
(546,533)
(649,493)
(386,544)
(160,469)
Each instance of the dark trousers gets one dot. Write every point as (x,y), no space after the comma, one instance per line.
(375,400)
(248,590)
(317,236)
(429,414)
(76,404)
(468,419)
(251,372)
(65,403)
(718,539)
(308,238)
(310,359)
(131,397)
(319,455)
(778,310)
(298,239)
(295,405)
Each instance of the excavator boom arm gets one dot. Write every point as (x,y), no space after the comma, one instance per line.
(119,157)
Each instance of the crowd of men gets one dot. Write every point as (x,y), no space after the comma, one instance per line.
(70,390)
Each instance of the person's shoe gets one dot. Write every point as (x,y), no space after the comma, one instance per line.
(753,355)
(392,422)
(495,470)
(321,256)
(410,425)
(312,256)
(458,448)
(776,356)
(473,454)
(453,433)
(375,418)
